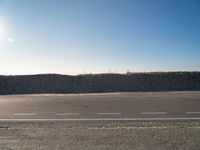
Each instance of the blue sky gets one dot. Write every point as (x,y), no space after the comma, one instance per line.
(95,36)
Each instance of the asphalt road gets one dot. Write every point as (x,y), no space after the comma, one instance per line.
(106,106)
(112,121)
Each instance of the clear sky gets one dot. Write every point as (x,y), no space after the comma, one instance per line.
(95,36)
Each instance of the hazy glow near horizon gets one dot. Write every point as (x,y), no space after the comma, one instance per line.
(72,37)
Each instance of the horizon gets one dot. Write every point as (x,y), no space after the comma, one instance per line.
(91,37)
(107,73)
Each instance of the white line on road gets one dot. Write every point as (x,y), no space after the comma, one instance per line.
(153,113)
(104,119)
(25,114)
(109,113)
(192,112)
(67,114)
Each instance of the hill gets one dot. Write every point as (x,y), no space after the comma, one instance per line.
(94,83)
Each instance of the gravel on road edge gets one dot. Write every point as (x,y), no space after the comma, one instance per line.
(100,135)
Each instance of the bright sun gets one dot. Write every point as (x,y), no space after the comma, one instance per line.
(4,35)
(2,32)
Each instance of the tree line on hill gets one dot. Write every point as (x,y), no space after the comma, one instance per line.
(95,83)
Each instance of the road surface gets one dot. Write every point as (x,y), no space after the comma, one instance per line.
(106,106)
(114,121)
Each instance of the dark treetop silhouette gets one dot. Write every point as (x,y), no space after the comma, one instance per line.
(91,83)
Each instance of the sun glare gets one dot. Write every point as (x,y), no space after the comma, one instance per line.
(2,31)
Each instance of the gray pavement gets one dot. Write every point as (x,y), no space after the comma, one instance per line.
(112,121)
(106,106)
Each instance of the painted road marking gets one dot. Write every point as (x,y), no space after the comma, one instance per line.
(109,113)
(105,119)
(192,112)
(67,114)
(25,114)
(153,113)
